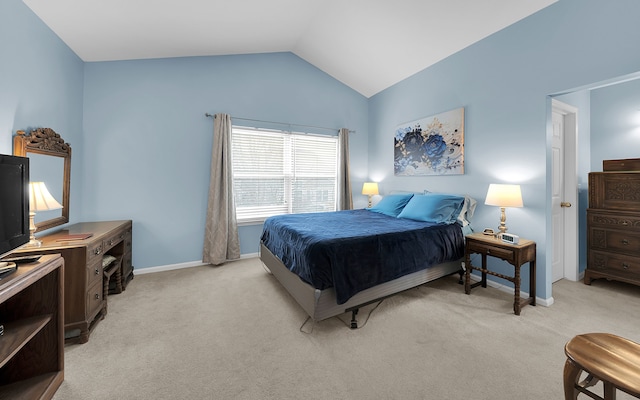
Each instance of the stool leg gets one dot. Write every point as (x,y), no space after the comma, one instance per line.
(570,378)
(609,391)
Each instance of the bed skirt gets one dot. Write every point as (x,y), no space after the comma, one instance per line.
(321,304)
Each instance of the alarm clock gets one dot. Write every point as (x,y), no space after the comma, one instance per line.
(509,238)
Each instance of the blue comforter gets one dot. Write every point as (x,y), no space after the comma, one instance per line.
(358,249)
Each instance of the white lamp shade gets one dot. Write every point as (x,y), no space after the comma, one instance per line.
(370,188)
(504,195)
(40,199)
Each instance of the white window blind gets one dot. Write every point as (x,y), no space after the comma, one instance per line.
(277,172)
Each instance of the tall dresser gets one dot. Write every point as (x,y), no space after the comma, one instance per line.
(85,288)
(613,222)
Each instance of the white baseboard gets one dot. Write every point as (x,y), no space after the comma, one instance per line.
(539,301)
(190,264)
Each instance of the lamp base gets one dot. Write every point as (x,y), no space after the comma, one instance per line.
(503,219)
(33,243)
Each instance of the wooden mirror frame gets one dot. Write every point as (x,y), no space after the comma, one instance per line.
(46,142)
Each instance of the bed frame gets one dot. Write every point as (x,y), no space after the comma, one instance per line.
(321,304)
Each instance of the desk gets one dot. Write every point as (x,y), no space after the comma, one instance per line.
(85,300)
(514,254)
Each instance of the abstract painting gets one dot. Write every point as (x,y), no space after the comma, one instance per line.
(430,146)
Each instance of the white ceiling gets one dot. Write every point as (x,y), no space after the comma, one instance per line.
(368,45)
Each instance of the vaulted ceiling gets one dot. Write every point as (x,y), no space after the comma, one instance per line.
(368,45)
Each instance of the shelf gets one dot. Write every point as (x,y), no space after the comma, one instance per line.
(40,386)
(18,333)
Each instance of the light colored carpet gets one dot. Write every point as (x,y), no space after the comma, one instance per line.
(232,332)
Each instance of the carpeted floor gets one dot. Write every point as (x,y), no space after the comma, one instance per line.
(232,332)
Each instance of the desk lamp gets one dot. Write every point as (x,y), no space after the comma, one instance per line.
(503,196)
(370,189)
(39,200)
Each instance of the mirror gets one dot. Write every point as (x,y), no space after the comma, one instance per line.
(49,162)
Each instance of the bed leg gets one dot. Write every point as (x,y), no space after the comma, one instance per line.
(460,280)
(354,322)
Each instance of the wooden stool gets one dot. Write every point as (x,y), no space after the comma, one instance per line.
(604,357)
(114,269)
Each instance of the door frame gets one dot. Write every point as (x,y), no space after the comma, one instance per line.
(570,190)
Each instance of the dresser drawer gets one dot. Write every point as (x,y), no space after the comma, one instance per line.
(481,248)
(94,251)
(94,271)
(617,220)
(95,299)
(113,240)
(614,263)
(610,240)
(614,190)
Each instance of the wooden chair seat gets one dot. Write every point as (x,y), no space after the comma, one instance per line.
(604,357)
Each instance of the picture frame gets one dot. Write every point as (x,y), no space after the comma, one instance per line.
(432,145)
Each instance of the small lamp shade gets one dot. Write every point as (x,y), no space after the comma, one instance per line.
(370,189)
(40,199)
(503,196)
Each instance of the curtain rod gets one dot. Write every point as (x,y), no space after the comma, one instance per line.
(279,123)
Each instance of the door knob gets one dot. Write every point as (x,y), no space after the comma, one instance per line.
(565,204)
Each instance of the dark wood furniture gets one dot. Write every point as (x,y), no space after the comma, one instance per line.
(85,297)
(514,254)
(32,346)
(613,223)
(604,357)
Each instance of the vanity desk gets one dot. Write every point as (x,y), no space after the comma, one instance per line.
(86,283)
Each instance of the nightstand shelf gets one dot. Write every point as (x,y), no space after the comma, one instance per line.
(514,254)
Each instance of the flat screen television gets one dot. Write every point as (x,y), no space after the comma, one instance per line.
(14,203)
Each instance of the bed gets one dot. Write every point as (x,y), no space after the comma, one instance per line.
(337,262)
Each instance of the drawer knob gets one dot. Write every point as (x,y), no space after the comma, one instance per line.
(97,271)
(625,242)
(98,251)
(625,266)
(97,296)
(625,223)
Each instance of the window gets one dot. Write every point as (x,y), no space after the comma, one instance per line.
(277,172)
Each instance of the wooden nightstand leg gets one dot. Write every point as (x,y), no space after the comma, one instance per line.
(516,296)
(484,270)
(532,282)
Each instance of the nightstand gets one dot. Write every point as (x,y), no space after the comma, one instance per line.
(514,254)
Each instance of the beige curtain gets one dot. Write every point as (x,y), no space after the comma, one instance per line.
(221,242)
(345,200)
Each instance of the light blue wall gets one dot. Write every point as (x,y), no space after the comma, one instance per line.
(615,123)
(147,145)
(41,84)
(504,82)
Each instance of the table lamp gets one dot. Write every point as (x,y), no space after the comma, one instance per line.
(503,196)
(370,189)
(39,200)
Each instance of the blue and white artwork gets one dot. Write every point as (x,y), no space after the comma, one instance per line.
(430,146)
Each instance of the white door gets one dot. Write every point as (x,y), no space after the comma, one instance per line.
(564,192)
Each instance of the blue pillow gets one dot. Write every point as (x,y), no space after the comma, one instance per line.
(438,208)
(392,204)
